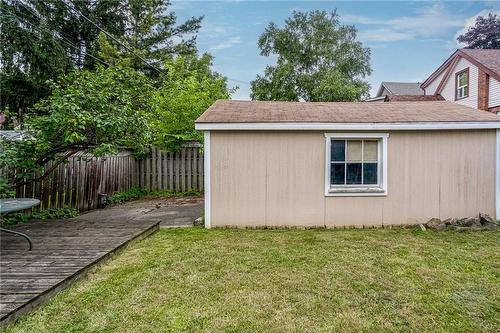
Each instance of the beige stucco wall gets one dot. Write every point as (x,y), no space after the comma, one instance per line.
(264,178)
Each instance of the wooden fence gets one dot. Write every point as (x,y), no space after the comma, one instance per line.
(77,183)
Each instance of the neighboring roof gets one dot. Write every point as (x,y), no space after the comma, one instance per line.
(375,99)
(13,134)
(413,98)
(400,88)
(230,111)
(486,60)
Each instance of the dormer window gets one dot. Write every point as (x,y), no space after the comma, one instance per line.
(462,84)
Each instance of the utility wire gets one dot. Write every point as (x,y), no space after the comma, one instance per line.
(73,9)
(237,81)
(50,33)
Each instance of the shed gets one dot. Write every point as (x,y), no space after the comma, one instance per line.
(301,164)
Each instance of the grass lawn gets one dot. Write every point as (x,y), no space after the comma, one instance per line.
(286,281)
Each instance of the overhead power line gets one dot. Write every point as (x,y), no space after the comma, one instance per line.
(238,81)
(39,29)
(73,9)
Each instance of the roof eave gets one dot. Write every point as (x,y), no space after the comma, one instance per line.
(348,126)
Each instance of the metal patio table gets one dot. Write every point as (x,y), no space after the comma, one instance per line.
(15,205)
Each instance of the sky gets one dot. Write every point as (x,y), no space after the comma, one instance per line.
(408,40)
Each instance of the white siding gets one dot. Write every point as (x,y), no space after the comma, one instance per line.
(494,99)
(449,89)
(431,88)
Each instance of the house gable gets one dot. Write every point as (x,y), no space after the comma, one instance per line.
(484,79)
(448,87)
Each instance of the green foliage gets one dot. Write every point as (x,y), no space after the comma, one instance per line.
(318,60)
(96,112)
(485,34)
(189,88)
(153,34)
(42,40)
(6,189)
(137,193)
(54,213)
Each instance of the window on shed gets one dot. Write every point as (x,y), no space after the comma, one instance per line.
(354,162)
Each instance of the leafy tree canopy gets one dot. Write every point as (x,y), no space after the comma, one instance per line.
(43,39)
(97,112)
(318,60)
(151,33)
(189,88)
(485,34)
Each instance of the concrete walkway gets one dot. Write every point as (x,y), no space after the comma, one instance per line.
(171,212)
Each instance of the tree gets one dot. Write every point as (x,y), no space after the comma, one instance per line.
(152,34)
(42,40)
(96,112)
(485,34)
(318,60)
(189,88)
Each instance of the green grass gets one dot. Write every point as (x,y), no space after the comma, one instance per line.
(199,280)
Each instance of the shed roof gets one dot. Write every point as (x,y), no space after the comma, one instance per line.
(231,111)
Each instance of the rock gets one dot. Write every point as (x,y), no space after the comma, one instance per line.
(460,229)
(485,219)
(441,226)
(469,222)
(433,223)
(450,221)
(199,221)
(490,226)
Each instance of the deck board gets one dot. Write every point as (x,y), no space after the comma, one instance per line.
(63,251)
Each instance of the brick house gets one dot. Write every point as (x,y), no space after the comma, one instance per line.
(470,77)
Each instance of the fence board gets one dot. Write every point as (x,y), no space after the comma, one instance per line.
(78,182)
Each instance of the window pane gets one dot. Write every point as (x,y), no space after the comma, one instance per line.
(462,79)
(370,150)
(338,150)
(337,174)
(370,173)
(353,173)
(354,150)
(466,91)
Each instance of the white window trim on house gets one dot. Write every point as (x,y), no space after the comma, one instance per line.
(460,89)
(361,190)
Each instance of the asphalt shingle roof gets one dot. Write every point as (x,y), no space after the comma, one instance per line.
(488,58)
(403,88)
(230,111)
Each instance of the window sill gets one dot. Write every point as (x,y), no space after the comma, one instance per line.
(355,192)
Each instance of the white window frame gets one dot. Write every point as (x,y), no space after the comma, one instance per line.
(461,88)
(357,190)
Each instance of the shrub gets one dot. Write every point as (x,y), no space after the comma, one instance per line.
(54,213)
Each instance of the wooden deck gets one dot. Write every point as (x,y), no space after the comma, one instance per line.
(63,251)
